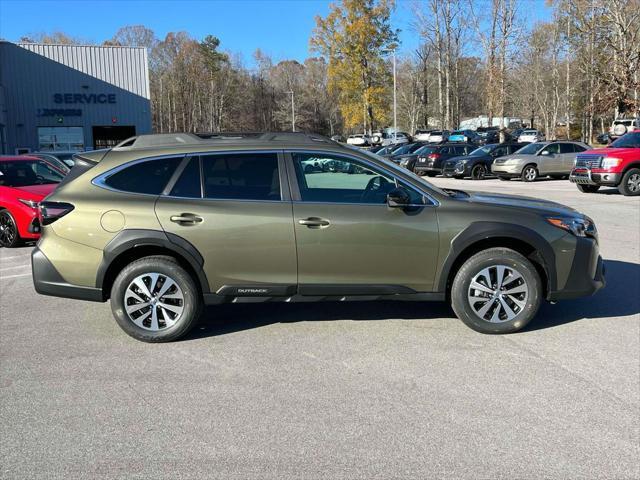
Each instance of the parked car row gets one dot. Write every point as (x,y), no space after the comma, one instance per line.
(504,160)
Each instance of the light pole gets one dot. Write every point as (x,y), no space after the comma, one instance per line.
(395,114)
(293,112)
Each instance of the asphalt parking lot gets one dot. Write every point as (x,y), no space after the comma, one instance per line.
(358,390)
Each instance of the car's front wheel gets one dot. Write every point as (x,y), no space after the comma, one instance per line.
(496,291)
(630,184)
(529,173)
(154,299)
(479,172)
(9,236)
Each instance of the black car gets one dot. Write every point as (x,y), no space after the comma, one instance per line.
(406,149)
(478,163)
(408,160)
(488,135)
(430,162)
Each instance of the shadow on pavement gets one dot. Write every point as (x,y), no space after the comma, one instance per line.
(621,297)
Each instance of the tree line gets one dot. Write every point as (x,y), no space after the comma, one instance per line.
(578,69)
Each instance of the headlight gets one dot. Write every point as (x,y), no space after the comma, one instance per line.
(579,226)
(28,203)
(610,162)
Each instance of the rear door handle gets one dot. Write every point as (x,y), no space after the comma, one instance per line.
(186,218)
(314,222)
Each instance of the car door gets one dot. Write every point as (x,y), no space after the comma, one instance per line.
(349,241)
(549,159)
(235,209)
(569,156)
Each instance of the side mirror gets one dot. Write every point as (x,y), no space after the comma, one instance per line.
(545,152)
(398,198)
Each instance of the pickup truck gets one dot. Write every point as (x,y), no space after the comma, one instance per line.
(618,165)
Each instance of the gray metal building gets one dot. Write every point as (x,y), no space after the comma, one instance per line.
(69,97)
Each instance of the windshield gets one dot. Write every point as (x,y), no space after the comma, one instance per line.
(630,140)
(479,152)
(530,149)
(22,173)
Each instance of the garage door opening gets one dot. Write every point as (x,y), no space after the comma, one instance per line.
(110,136)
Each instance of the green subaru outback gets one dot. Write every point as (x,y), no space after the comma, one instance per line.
(164,224)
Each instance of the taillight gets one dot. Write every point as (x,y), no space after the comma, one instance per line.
(434,156)
(52,211)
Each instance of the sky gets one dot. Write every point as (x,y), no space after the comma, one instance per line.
(280,28)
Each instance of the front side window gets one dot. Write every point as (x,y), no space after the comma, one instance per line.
(343,180)
(552,149)
(149,176)
(23,173)
(241,176)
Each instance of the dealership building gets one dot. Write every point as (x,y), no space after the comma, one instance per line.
(70,97)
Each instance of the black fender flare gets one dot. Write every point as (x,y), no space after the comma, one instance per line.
(129,239)
(481,231)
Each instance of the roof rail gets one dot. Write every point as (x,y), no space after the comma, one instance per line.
(178,139)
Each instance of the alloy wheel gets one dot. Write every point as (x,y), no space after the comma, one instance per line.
(154,301)
(498,294)
(633,183)
(7,230)
(530,174)
(479,172)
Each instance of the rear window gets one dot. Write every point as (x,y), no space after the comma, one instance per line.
(149,176)
(252,176)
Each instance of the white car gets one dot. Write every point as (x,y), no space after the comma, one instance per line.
(530,136)
(623,126)
(359,140)
(422,135)
(438,136)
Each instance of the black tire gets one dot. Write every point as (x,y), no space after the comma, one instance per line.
(486,259)
(529,173)
(588,188)
(192,302)
(504,179)
(479,172)
(9,235)
(630,184)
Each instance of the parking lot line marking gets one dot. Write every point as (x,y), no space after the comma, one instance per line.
(15,256)
(17,266)
(15,276)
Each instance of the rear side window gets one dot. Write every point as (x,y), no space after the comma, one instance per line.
(567,148)
(188,185)
(578,148)
(149,176)
(252,176)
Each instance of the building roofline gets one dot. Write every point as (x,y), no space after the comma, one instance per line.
(69,45)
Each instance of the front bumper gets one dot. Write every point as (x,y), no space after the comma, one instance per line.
(455,170)
(584,176)
(506,170)
(48,281)
(587,274)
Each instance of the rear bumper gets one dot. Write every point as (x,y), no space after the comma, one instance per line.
(587,274)
(427,168)
(587,177)
(47,281)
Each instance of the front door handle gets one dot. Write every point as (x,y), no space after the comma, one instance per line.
(186,219)
(314,222)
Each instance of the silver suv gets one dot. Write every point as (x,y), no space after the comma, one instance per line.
(540,159)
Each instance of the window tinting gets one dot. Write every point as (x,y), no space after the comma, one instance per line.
(150,176)
(566,148)
(188,185)
(578,148)
(327,178)
(553,148)
(252,176)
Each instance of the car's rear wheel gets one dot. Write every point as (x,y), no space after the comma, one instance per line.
(529,173)
(154,299)
(588,188)
(479,172)
(496,291)
(630,184)
(9,236)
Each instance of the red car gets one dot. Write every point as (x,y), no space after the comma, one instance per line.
(618,165)
(24,181)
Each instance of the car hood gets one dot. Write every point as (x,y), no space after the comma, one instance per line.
(611,152)
(37,192)
(543,206)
